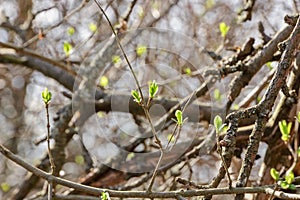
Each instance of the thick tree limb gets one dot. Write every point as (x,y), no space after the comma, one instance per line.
(48,69)
(254,64)
(264,107)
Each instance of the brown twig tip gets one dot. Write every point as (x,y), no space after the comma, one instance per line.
(246,13)
(291,19)
(266,38)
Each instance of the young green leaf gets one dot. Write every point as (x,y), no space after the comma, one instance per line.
(289,128)
(130,156)
(269,65)
(101,114)
(140,50)
(115,59)
(153,89)
(209,4)
(5,187)
(285,138)
(179,119)
(298,151)
(282,126)
(235,107)
(93,27)
(284,185)
(71,31)
(187,71)
(46,95)
(103,81)
(289,178)
(105,196)
(218,124)
(217,95)
(258,99)
(285,129)
(136,96)
(225,128)
(275,174)
(67,48)
(79,159)
(223,29)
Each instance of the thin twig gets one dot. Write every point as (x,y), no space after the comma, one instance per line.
(28,52)
(158,142)
(179,126)
(36,37)
(254,92)
(50,184)
(295,157)
(296,6)
(145,106)
(123,52)
(83,42)
(229,141)
(133,3)
(253,65)
(136,183)
(155,171)
(50,188)
(172,136)
(219,150)
(272,195)
(52,165)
